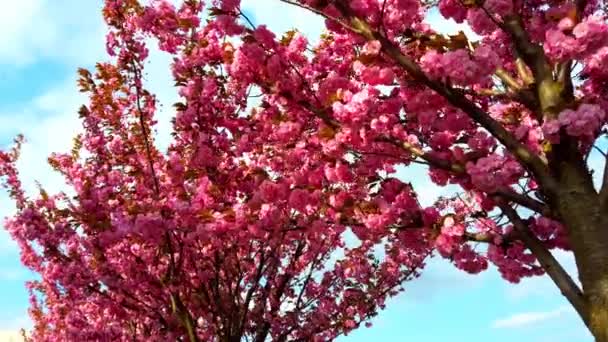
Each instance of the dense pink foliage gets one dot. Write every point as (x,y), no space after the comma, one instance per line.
(236,229)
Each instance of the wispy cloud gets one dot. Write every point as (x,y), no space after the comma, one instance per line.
(528,318)
(63,30)
(48,122)
(10,329)
(10,336)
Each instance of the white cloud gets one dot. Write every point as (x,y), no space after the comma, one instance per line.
(63,30)
(528,318)
(10,329)
(53,123)
(17,34)
(10,336)
(49,123)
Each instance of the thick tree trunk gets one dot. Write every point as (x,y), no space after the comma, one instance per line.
(590,245)
(599,315)
(580,208)
(589,240)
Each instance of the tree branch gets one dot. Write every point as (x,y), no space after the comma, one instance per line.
(504,76)
(560,277)
(417,152)
(528,158)
(459,169)
(550,92)
(564,77)
(525,201)
(251,291)
(264,330)
(184,314)
(483,237)
(532,54)
(523,72)
(144,131)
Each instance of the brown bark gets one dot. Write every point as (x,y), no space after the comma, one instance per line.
(587,224)
(580,207)
(589,238)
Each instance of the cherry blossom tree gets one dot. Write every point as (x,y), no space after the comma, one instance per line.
(201,243)
(284,155)
(511,117)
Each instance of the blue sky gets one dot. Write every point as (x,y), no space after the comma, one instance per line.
(42,42)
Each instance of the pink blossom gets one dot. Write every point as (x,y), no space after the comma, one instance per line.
(499,7)
(372,48)
(452,228)
(230,5)
(453,9)
(486,58)
(493,172)
(480,22)
(583,122)
(597,64)
(551,130)
(469,261)
(482,141)
(560,46)
(591,33)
